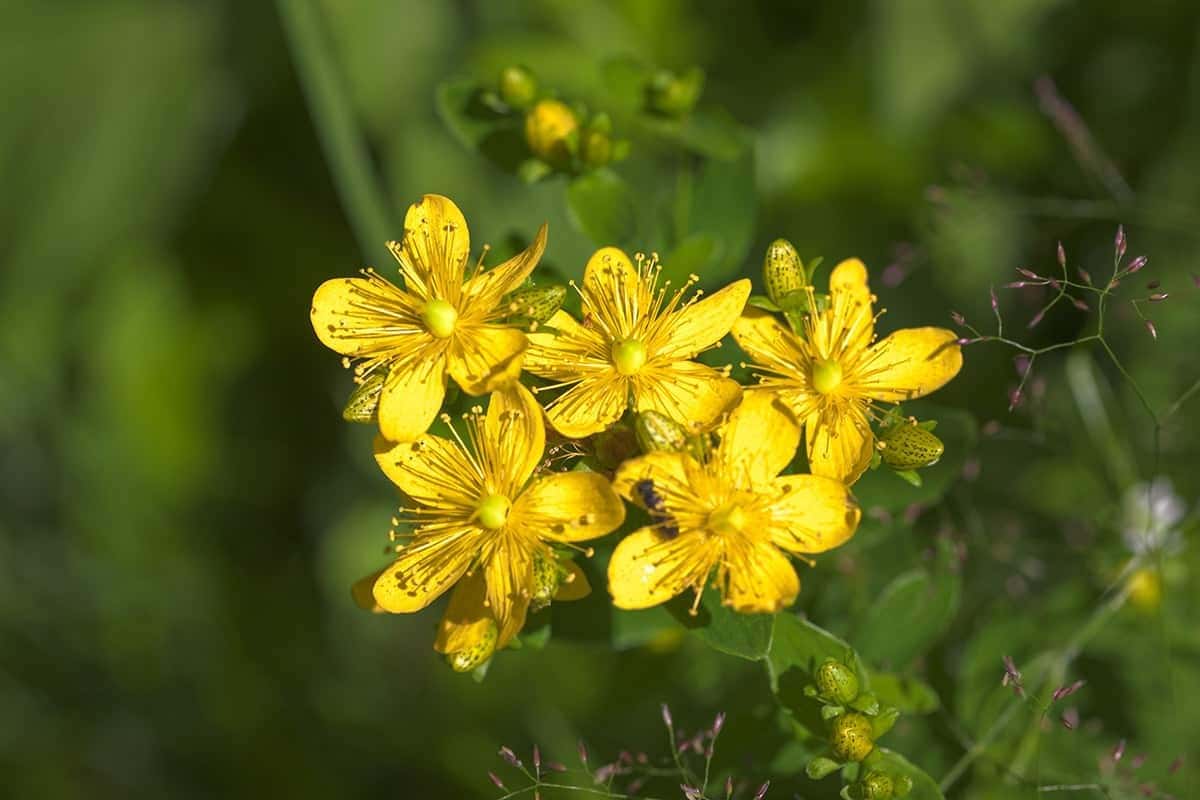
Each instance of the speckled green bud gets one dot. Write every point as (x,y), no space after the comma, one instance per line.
(475,655)
(851,737)
(546,577)
(836,681)
(908,446)
(876,785)
(363,404)
(656,431)
(535,304)
(783,272)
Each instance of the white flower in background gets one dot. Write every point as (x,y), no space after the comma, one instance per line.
(1150,515)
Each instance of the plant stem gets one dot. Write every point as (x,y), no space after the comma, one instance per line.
(341,139)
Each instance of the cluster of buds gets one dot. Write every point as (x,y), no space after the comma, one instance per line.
(560,137)
(906,445)
(856,720)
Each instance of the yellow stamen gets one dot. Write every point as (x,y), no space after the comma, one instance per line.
(826,375)
(440,318)
(492,511)
(628,356)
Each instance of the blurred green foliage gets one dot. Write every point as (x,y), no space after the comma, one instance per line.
(182,510)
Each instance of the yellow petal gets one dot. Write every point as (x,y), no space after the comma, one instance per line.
(589,406)
(758,440)
(575,585)
(432,471)
(911,363)
(665,469)
(569,507)
(813,514)
(357,316)
(850,276)
(839,442)
(467,620)
(509,575)
(411,398)
(703,323)
(759,579)
(648,568)
(693,395)
(608,267)
(514,438)
(435,248)
(765,339)
(425,569)
(362,592)
(484,291)
(483,358)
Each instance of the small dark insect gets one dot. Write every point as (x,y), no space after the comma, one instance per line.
(654,503)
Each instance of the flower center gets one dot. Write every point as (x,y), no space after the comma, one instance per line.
(628,356)
(492,511)
(826,375)
(727,520)
(440,317)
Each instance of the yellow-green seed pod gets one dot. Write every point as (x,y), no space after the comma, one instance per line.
(363,404)
(909,446)
(548,125)
(475,655)
(657,431)
(518,86)
(535,303)
(851,737)
(876,785)
(836,681)
(783,272)
(546,577)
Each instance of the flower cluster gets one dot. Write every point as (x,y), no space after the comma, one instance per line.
(495,518)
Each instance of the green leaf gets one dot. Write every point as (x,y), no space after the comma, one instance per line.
(639,628)
(883,489)
(797,647)
(911,614)
(691,255)
(924,787)
(763,302)
(498,137)
(907,694)
(744,635)
(601,206)
(711,133)
(723,203)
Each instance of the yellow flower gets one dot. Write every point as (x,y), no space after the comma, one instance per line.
(729,513)
(830,376)
(484,521)
(441,322)
(634,347)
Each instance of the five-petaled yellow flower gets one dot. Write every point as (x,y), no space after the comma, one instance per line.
(634,348)
(729,514)
(483,520)
(830,375)
(441,321)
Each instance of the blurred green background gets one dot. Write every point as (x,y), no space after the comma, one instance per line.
(182,509)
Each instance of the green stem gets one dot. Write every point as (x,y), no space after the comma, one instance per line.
(344,144)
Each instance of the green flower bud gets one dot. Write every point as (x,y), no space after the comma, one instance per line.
(908,446)
(657,431)
(363,404)
(535,304)
(851,737)
(876,785)
(518,86)
(901,785)
(836,681)
(475,655)
(547,574)
(819,767)
(783,272)
(548,128)
(596,148)
(674,95)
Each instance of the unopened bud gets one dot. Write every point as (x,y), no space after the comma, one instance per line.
(876,785)
(666,716)
(1062,256)
(1136,265)
(674,95)
(547,575)
(851,737)
(1080,304)
(958,319)
(1153,330)
(363,404)
(909,446)
(762,791)
(535,304)
(901,785)
(1158,297)
(477,654)
(518,86)
(548,127)
(595,148)
(783,272)
(836,681)
(1119,242)
(656,431)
